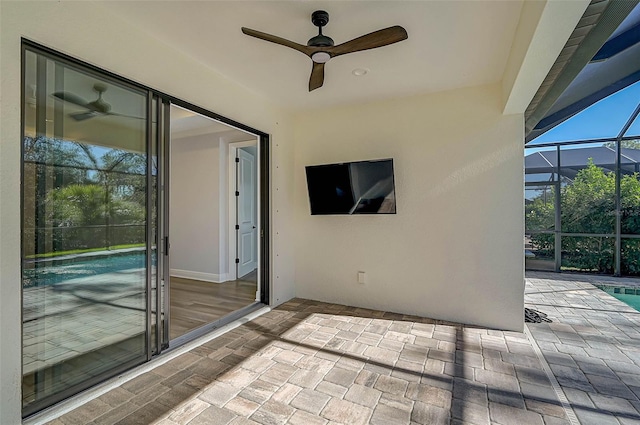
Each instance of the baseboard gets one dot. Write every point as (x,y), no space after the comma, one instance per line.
(206,277)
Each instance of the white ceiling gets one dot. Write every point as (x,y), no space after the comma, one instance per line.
(186,123)
(451,44)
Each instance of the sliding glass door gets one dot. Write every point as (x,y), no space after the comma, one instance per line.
(95,225)
(88,243)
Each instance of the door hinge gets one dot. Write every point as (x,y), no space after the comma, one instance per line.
(237,227)
(237,261)
(237,159)
(237,193)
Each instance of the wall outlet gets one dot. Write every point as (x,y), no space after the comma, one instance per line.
(362,277)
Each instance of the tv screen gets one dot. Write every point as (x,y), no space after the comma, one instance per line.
(363,187)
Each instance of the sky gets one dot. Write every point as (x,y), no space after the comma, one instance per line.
(601,120)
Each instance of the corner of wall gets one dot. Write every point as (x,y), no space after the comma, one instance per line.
(542,32)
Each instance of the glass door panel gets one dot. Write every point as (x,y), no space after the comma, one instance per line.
(211,188)
(85,229)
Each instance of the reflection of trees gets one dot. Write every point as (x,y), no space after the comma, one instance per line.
(81,196)
(588,206)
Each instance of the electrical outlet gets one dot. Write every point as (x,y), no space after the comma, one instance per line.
(362,277)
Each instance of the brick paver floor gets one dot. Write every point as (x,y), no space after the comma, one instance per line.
(308,363)
(592,344)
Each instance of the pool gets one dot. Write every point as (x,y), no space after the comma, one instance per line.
(45,273)
(626,294)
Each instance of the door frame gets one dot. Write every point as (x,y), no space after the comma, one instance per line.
(231,247)
(164,99)
(261,141)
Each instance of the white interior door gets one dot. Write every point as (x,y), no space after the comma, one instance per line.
(247,241)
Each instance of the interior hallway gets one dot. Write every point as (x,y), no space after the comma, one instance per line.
(195,303)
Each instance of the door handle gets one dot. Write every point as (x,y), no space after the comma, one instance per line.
(254,227)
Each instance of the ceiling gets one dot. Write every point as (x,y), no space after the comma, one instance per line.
(186,123)
(451,44)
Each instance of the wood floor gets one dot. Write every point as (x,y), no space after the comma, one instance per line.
(195,303)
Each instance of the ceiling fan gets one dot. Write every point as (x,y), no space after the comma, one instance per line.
(321,48)
(94,108)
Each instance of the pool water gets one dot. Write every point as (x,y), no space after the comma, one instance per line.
(44,273)
(628,295)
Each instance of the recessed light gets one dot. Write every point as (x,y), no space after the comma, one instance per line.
(359,72)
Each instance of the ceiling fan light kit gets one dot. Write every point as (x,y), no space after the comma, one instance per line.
(321,48)
(320,57)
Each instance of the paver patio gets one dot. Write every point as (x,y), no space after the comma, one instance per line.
(592,345)
(307,362)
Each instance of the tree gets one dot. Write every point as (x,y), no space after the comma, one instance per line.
(78,195)
(77,213)
(588,206)
(627,144)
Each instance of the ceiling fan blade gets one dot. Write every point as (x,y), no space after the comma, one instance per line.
(125,116)
(71,98)
(278,40)
(372,40)
(81,116)
(317,76)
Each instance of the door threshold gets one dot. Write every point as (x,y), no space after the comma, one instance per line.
(209,327)
(195,339)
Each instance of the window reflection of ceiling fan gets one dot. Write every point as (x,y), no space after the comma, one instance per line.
(95,108)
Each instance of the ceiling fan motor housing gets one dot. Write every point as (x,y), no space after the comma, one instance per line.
(321,48)
(320,18)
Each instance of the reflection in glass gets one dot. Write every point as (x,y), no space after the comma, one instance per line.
(84,229)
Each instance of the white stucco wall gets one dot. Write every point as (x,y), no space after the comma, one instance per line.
(195,207)
(454,249)
(86,31)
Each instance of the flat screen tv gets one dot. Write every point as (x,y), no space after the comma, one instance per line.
(362,187)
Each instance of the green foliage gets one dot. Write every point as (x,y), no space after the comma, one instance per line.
(588,206)
(544,244)
(90,204)
(79,196)
(84,216)
(627,144)
(540,215)
(630,257)
(540,212)
(630,198)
